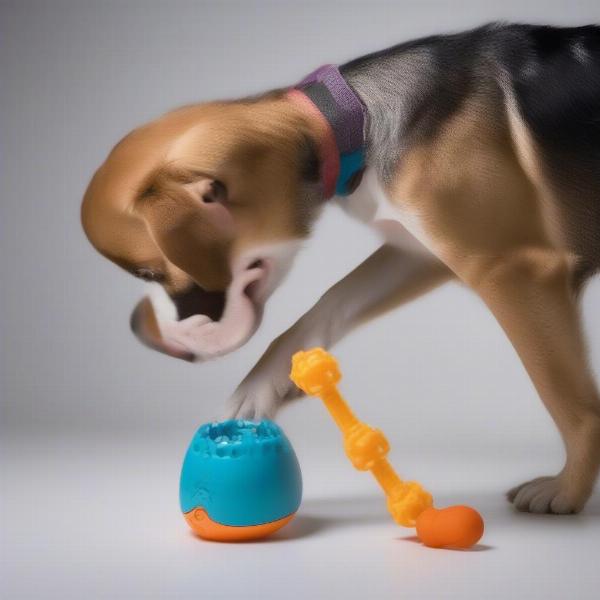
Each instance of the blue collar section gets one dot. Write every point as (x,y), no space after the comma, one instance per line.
(352,165)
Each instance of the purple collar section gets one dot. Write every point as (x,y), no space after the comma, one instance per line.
(345,112)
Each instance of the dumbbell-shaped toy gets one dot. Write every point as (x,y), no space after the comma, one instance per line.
(316,373)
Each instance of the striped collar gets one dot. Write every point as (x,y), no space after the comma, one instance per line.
(326,94)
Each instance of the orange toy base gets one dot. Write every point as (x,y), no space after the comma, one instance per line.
(452,527)
(202,525)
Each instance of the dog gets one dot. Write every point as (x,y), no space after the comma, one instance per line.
(475,155)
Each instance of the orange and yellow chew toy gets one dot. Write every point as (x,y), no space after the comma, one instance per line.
(316,373)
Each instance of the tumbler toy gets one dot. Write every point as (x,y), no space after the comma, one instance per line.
(240,481)
(316,373)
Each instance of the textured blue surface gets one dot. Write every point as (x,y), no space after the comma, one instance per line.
(241,473)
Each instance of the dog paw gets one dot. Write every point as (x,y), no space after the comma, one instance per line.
(257,399)
(544,495)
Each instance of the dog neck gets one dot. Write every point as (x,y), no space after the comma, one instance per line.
(326,96)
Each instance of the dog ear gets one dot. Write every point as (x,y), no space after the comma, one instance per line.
(193,226)
(144,325)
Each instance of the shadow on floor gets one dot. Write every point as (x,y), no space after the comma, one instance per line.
(319,515)
(476,548)
(316,515)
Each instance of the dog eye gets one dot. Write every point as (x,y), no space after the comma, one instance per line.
(148,274)
(217,192)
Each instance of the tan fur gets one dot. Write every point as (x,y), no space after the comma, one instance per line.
(137,208)
(480,201)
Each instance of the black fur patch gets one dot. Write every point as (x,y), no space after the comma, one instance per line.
(553,73)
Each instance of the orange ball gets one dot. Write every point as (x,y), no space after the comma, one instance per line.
(452,527)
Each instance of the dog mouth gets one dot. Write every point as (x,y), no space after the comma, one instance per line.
(198,325)
(198,301)
(212,324)
(212,304)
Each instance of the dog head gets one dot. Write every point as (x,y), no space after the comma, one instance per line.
(208,203)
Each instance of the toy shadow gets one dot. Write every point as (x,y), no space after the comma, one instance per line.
(475,548)
(316,516)
(319,515)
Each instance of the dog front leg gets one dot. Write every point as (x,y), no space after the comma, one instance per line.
(388,278)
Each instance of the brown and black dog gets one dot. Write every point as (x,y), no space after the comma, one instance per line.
(480,161)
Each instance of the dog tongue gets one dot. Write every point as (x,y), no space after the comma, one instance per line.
(208,339)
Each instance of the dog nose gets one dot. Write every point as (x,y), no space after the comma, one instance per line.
(197,301)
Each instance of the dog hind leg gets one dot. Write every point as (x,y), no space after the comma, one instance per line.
(530,295)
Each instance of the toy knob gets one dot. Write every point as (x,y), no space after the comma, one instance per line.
(408,502)
(364,446)
(452,527)
(314,371)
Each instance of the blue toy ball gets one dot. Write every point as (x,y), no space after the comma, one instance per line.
(240,480)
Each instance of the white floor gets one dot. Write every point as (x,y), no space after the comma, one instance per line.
(99,519)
